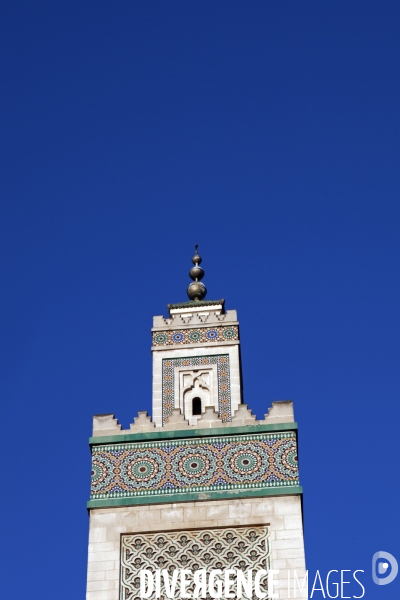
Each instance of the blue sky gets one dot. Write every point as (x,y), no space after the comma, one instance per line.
(267,132)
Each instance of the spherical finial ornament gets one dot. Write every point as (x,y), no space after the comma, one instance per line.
(196,260)
(196,290)
(196,273)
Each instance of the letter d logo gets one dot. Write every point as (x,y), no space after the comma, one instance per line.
(383,567)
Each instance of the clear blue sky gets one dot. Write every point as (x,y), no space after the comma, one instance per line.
(267,132)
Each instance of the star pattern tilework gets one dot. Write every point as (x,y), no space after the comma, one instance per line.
(200,335)
(208,464)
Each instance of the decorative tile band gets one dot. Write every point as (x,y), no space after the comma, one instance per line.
(201,335)
(239,548)
(182,466)
(224,385)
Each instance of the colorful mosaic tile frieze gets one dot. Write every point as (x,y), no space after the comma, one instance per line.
(182,466)
(201,335)
(239,548)
(224,386)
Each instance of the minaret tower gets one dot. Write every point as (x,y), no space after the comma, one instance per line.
(196,359)
(202,484)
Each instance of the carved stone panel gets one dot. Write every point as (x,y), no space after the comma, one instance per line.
(241,548)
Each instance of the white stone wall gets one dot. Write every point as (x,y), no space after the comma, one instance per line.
(160,355)
(282,514)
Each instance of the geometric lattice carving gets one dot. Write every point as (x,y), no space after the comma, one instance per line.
(194,465)
(239,548)
(224,387)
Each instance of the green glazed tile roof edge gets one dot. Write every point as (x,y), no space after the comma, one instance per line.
(191,303)
(196,496)
(190,433)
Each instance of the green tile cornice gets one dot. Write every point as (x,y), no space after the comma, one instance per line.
(196,304)
(195,496)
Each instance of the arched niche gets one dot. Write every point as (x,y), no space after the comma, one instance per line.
(196,406)
(196,397)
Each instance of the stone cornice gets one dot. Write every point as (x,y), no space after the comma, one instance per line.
(160,434)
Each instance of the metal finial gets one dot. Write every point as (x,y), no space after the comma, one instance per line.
(196,290)
(196,260)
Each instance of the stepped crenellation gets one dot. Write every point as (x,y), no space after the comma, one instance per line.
(279,412)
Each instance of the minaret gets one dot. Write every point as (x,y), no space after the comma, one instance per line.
(202,484)
(196,358)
